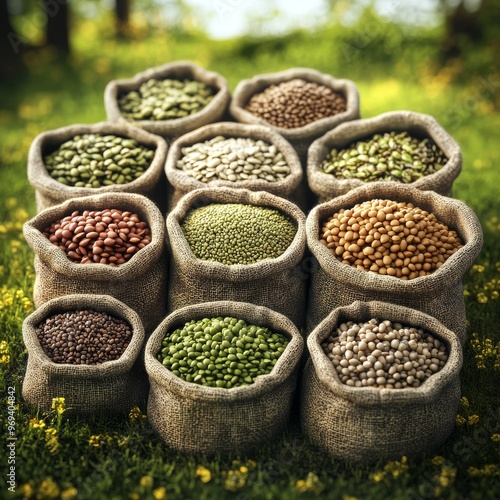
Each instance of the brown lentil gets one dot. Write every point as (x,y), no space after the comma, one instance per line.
(109,236)
(383,354)
(83,337)
(390,238)
(296,103)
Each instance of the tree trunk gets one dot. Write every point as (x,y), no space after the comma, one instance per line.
(122,12)
(11,44)
(57,27)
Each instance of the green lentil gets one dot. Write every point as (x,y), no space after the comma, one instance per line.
(165,99)
(96,160)
(232,233)
(390,156)
(227,373)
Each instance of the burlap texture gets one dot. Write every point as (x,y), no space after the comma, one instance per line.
(140,283)
(193,418)
(326,186)
(279,284)
(49,192)
(179,70)
(439,294)
(365,424)
(299,137)
(114,386)
(181,183)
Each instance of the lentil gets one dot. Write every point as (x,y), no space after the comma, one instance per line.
(94,160)
(233,159)
(296,103)
(233,233)
(165,99)
(83,337)
(390,238)
(109,236)
(221,352)
(392,156)
(403,356)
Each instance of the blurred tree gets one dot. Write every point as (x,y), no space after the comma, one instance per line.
(57,24)
(11,44)
(122,12)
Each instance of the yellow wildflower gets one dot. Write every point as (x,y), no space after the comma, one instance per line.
(10,202)
(478,268)
(36,424)
(438,460)
(464,402)
(495,438)
(482,298)
(472,419)
(459,420)
(59,405)
(234,480)
(135,415)
(27,490)
(311,483)
(377,477)
(397,468)
(160,493)
(51,440)
(204,474)
(48,489)
(69,493)
(134,496)
(487,470)
(349,497)
(251,464)
(4,352)
(146,481)
(95,440)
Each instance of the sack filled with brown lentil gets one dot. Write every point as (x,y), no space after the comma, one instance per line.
(168,100)
(301,104)
(359,418)
(84,160)
(203,398)
(395,243)
(112,244)
(233,155)
(401,146)
(87,350)
(236,244)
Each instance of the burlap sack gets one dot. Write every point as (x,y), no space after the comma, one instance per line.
(140,283)
(279,284)
(365,424)
(114,386)
(49,192)
(180,70)
(440,294)
(300,137)
(181,183)
(193,418)
(326,186)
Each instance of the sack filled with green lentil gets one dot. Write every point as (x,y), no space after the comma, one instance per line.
(86,349)
(233,155)
(362,417)
(392,242)
(222,376)
(400,146)
(84,160)
(112,244)
(236,244)
(301,104)
(168,100)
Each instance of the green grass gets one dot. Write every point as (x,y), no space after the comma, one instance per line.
(130,461)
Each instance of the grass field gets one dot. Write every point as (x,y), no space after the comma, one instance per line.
(60,457)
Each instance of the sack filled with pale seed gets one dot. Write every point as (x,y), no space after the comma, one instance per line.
(222,376)
(168,100)
(301,104)
(112,244)
(400,146)
(87,350)
(395,243)
(233,155)
(84,160)
(236,244)
(402,396)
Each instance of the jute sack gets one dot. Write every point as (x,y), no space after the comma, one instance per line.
(179,70)
(279,284)
(50,192)
(181,183)
(440,294)
(299,137)
(113,386)
(365,424)
(326,186)
(193,418)
(140,283)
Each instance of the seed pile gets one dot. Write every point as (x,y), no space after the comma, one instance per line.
(83,337)
(108,236)
(94,160)
(165,99)
(296,103)
(233,159)
(390,238)
(384,354)
(232,233)
(391,157)
(221,352)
